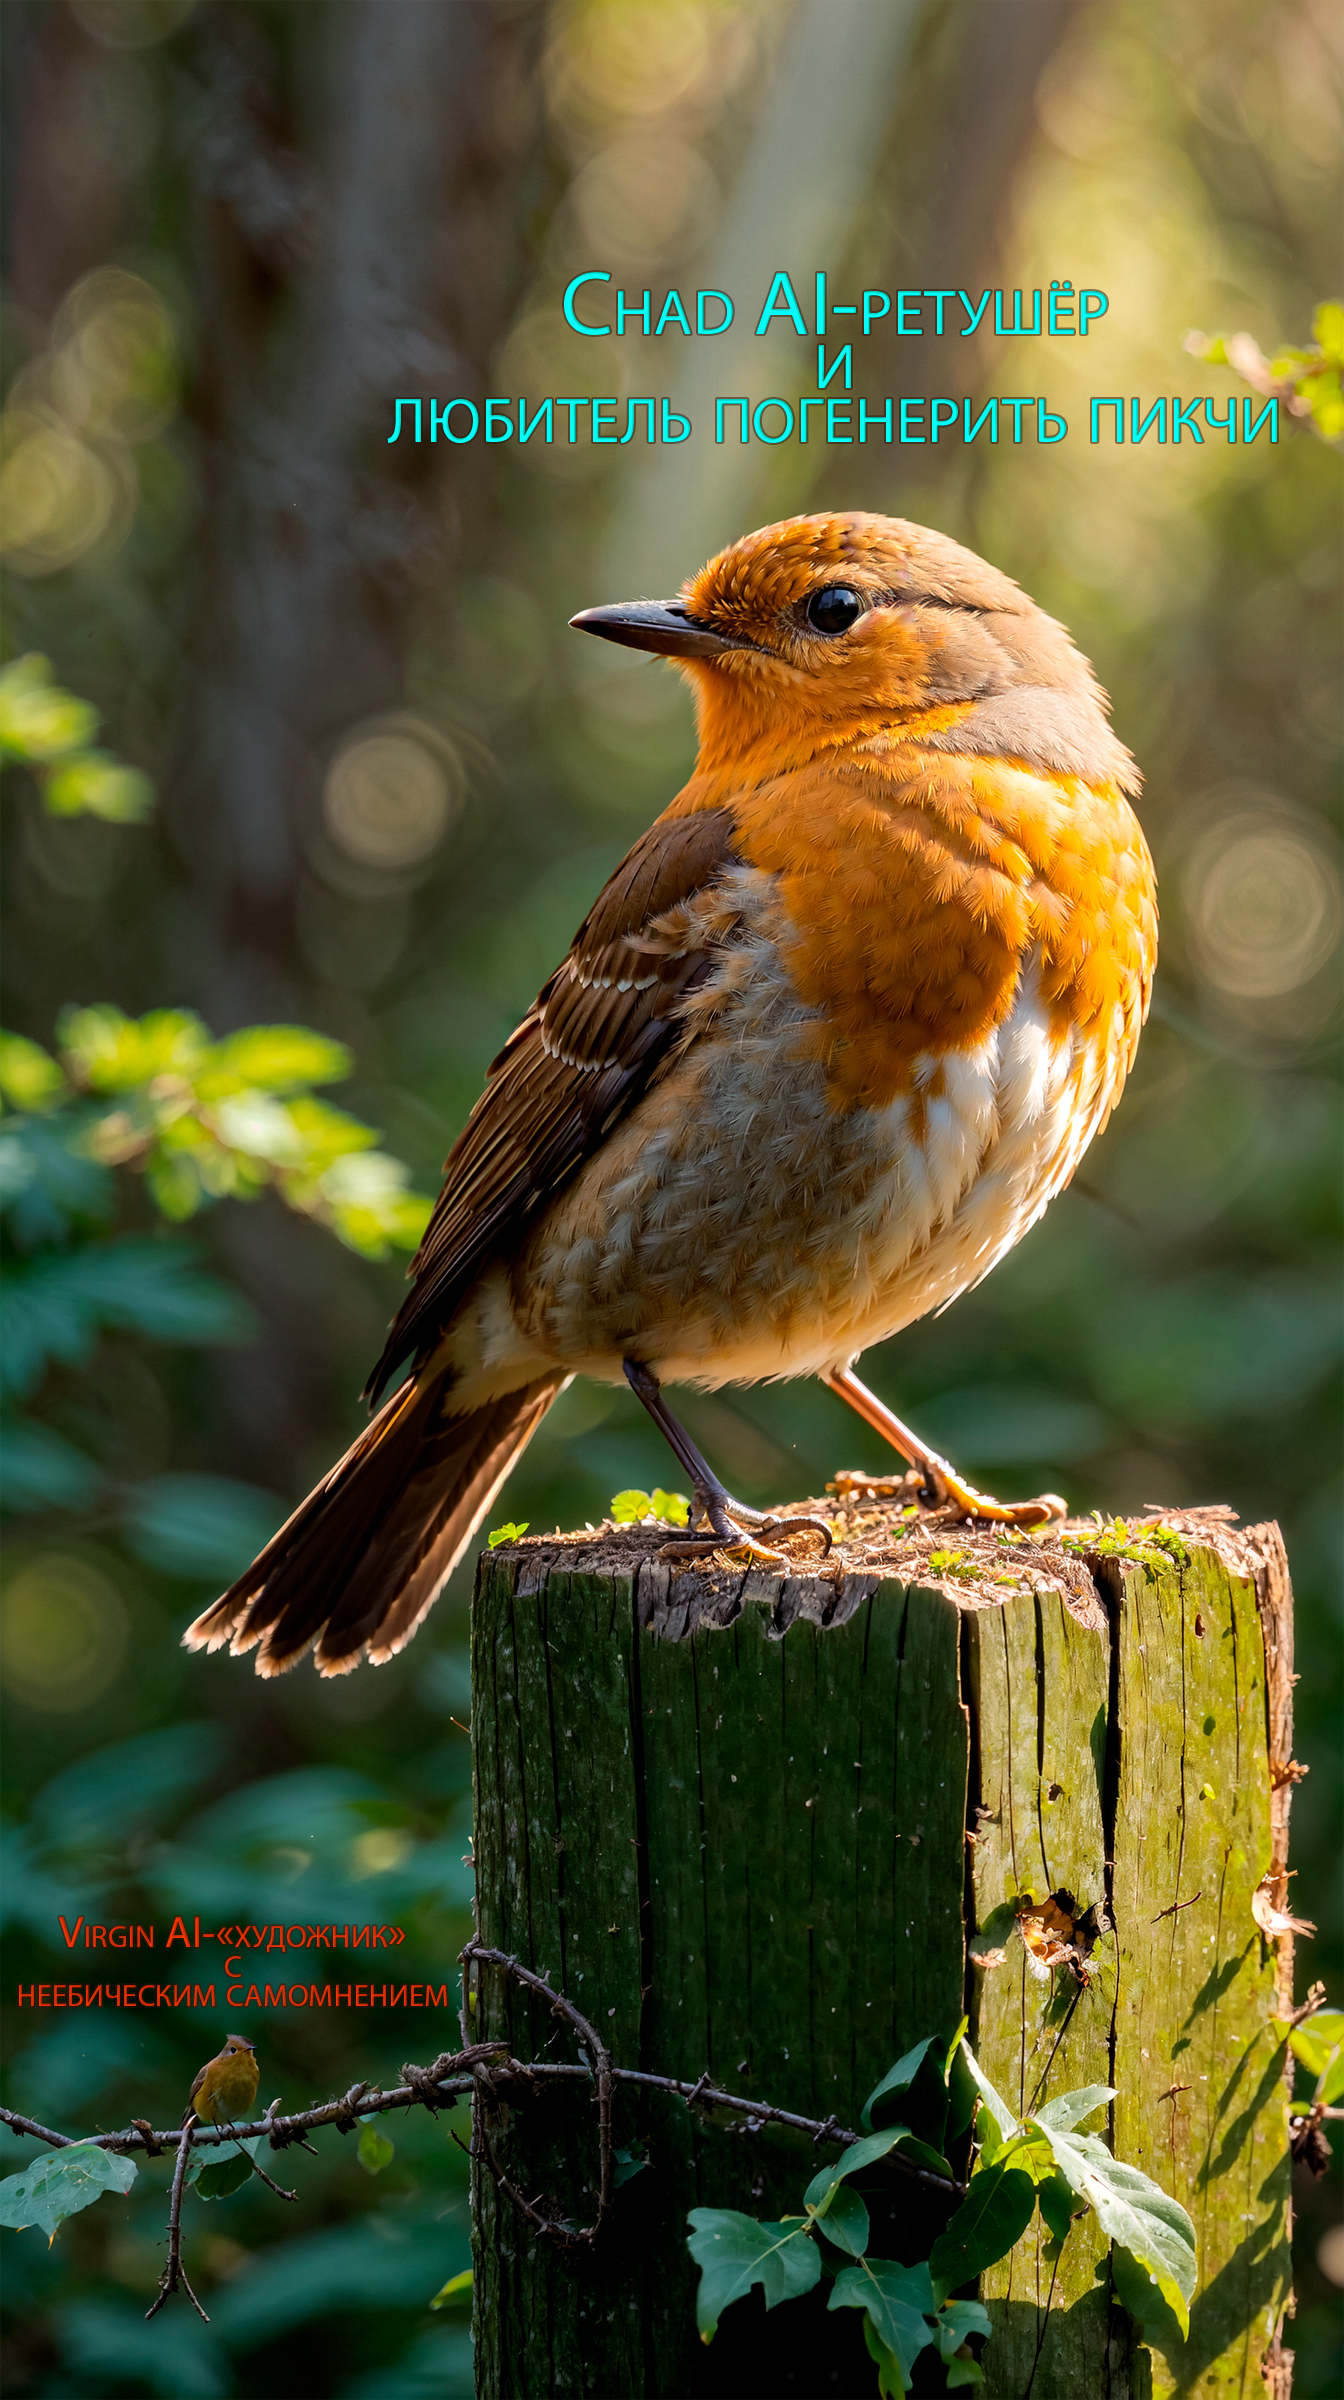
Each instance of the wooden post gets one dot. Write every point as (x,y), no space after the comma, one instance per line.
(775,1830)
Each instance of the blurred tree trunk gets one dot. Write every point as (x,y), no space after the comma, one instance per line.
(336,262)
(324,293)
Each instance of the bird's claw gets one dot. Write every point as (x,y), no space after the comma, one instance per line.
(729,1537)
(939,1488)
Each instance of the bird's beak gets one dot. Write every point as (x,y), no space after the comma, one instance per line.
(663,625)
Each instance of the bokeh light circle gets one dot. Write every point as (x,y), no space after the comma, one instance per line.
(388,799)
(63,1633)
(1263,901)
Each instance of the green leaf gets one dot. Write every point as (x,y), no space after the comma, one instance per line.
(370,1208)
(1133,2211)
(891,2383)
(626,2164)
(963,2371)
(1071,2107)
(1055,2201)
(899,2301)
(29,1078)
(995,2213)
(1002,2117)
(202,1525)
(94,784)
(456,2288)
(1327,329)
(826,2183)
(47,1184)
(375,2150)
(110,1052)
(272,1058)
(957,2321)
(1319,2044)
(214,2177)
(506,1533)
(38,1470)
(60,2183)
(1141,2293)
(630,1508)
(734,2252)
(55,1307)
(39,721)
(897,2078)
(845,2221)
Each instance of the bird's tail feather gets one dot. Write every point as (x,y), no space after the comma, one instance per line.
(364,1558)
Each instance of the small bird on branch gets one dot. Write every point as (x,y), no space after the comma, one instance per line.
(831,1038)
(226,2086)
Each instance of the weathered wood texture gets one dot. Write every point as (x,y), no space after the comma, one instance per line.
(765,1828)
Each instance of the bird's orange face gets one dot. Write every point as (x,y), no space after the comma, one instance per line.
(835,626)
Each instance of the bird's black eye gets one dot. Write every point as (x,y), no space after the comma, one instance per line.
(835,609)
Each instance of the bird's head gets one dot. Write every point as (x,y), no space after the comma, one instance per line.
(827,629)
(237,2042)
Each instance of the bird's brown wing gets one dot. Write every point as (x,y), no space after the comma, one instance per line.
(198,2079)
(591,1043)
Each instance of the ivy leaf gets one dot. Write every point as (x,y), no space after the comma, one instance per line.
(1141,2293)
(1001,2115)
(1134,2212)
(956,2323)
(375,2150)
(733,2252)
(994,2214)
(845,2221)
(891,2384)
(897,2079)
(821,2191)
(1071,2107)
(214,2177)
(1056,2204)
(60,2183)
(899,2301)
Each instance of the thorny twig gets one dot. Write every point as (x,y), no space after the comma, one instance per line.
(479,1954)
(484,2069)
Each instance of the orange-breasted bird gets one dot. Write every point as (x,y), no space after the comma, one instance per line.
(226,2086)
(828,1042)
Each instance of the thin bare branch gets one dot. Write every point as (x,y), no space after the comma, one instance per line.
(174,2276)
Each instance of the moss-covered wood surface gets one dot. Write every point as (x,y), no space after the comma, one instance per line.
(776,1829)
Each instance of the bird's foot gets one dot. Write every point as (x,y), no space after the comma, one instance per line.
(951,1493)
(938,1490)
(721,1513)
(934,1484)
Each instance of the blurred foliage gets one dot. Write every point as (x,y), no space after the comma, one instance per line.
(391,782)
(1307,380)
(51,732)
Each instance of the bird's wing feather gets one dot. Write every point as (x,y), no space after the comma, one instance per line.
(592,1042)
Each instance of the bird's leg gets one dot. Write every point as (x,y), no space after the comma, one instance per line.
(712,1500)
(942,1484)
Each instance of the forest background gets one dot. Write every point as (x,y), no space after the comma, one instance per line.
(388,780)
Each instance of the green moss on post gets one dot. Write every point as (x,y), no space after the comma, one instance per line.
(762,1829)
